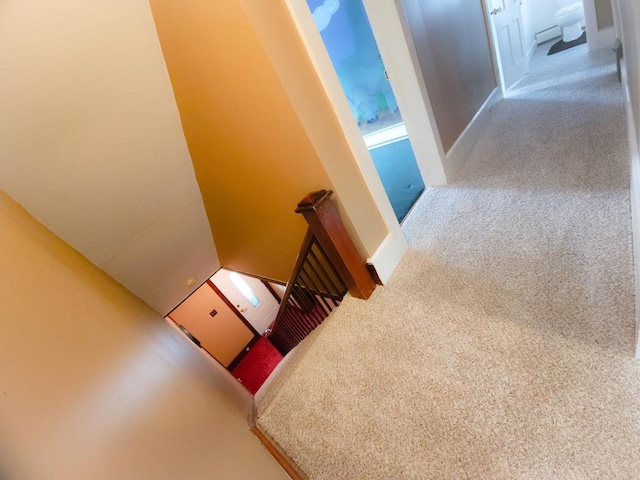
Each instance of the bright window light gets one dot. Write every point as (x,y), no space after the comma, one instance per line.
(245,289)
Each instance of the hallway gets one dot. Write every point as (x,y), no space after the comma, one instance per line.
(502,347)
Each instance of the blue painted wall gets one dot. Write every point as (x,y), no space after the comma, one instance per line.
(347,35)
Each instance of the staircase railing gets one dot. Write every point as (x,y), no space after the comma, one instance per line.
(314,290)
(327,266)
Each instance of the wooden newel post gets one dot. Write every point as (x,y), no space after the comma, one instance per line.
(325,223)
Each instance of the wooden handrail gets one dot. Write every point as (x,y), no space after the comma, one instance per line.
(325,223)
(327,266)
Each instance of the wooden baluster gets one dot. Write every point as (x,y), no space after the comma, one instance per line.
(326,225)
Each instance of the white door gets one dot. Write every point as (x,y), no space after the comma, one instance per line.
(249,296)
(508,36)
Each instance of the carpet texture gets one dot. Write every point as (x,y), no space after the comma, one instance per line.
(257,365)
(396,165)
(502,347)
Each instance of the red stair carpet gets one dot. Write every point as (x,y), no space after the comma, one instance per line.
(257,365)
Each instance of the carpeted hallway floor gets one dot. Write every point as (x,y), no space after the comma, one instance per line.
(502,347)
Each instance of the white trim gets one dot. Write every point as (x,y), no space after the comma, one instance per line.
(328,77)
(388,255)
(597,39)
(634,163)
(398,53)
(465,142)
(531,50)
(617,20)
(386,136)
(635,216)
(603,39)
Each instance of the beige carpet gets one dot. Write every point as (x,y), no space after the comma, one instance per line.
(502,347)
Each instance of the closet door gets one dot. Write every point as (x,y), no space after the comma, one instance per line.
(214,324)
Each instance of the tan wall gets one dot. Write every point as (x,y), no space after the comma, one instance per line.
(95,385)
(351,178)
(452,44)
(604,12)
(91,142)
(252,158)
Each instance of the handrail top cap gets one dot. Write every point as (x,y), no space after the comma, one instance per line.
(313,200)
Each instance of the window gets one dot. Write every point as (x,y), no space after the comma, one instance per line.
(245,289)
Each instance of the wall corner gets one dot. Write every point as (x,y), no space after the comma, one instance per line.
(388,255)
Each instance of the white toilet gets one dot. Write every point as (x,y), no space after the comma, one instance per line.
(570,17)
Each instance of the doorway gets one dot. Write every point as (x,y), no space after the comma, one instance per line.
(349,41)
(226,317)
(509,44)
(252,297)
(537,27)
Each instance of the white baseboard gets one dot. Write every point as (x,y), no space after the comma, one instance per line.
(531,50)
(461,149)
(389,254)
(543,36)
(634,163)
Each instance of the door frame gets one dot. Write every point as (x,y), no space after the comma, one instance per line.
(597,39)
(230,304)
(256,336)
(398,55)
(185,331)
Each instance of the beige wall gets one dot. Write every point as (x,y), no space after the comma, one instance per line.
(95,385)
(452,44)
(91,142)
(604,14)
(628,27)
(242,107)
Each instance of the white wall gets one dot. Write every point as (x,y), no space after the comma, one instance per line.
(537,16)
(259,317)
(598,38)
(628,27)
(91,142)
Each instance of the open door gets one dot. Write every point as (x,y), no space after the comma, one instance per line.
(508,38)
(251,298)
